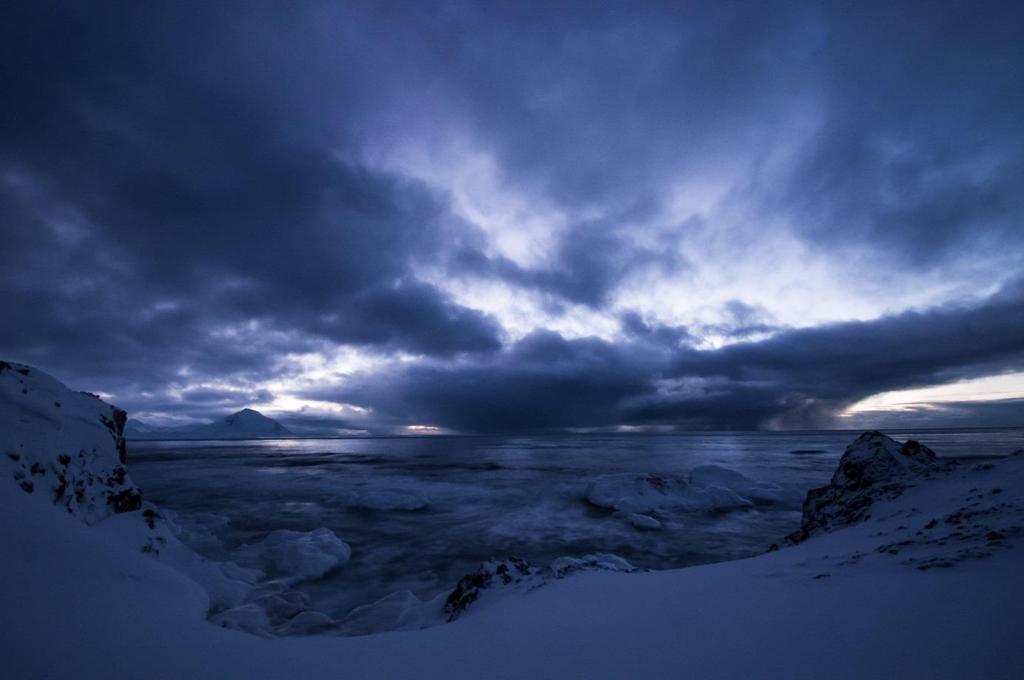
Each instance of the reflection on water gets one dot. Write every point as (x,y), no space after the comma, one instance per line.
(420,512)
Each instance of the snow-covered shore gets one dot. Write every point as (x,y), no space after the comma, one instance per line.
(905,567)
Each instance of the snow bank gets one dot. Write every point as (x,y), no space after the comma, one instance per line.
(153,534)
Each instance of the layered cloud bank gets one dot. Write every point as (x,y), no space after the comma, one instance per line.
(680,217)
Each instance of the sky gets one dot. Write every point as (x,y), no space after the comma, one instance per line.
(407,217)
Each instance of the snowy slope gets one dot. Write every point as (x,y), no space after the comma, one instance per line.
(923,583)
(67,446)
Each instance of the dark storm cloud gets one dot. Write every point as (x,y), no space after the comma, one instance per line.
(186,195)
(741,320)
(597,100)
(921,148)
(206,395)
(404,314)
(800,377)
(161,157)
(590,261)
(634,326)
(541,382)
(901,120)
(796,378)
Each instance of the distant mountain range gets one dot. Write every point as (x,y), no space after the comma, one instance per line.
(245,424)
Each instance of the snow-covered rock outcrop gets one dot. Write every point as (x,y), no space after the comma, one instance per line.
(891,502)
(68,446)
(873,467)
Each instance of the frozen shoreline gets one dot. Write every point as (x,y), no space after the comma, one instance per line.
(855,602)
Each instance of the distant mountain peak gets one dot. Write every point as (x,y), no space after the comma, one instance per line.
(245,423)
(246,415)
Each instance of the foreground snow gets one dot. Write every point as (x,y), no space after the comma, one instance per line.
(925,584)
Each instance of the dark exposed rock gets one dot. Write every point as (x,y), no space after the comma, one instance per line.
(511,571)
(23,370)
(126,500)
(150,516)
(517,573)
(873,467)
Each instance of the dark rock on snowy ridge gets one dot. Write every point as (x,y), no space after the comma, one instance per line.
(872,468)
(517,574)
(67,445)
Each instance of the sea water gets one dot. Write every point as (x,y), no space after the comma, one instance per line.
(419,513)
